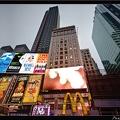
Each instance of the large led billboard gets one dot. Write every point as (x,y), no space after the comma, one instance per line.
(34,63)
(40,64)
(4,85)
(16,62)
(32,89)
(19,90)
(5,60)
(28,63)
(64,78)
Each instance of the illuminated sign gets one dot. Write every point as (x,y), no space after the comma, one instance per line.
(5,60)
(19,89)
(73,103)
(64,78)
(41,63)
(41,110)
(4,84)
(32,89)
(16,63)
(29,63)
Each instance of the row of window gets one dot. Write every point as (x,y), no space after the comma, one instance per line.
(64,32)
(61,62)
(56,57)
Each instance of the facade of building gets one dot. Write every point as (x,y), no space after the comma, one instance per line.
(64,48)
(64,52)
(106,36)
(21,48)
(90,65)
(50,21)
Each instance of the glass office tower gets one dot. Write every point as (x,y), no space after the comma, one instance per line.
(106,35)
(50,21)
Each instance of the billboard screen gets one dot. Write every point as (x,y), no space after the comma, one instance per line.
(41,110)
(4,85)
(32,89)
(28,63)
(18,92)
(16,63)
(64,78)
(41,63)
(5,60)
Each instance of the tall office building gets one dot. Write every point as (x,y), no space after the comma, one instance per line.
(64,48)
(90,65)
(50,21)
(106,36)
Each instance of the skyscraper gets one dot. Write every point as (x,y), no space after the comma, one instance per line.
(64,48)
(50,21)
(90,65)
(106,35)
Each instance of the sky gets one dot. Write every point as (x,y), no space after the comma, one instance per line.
(19,24)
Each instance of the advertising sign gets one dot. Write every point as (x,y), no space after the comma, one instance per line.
(41,63)
(4,84)
(79,107)
(41,110)
(32,89)
(5,60)
(28,63)
(16,63)
(19,89)
(64,78)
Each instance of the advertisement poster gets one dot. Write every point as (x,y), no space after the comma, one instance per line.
(41,63)
(5,60)
(41,110)
(32,89)
(29,63)
(4,84)
(19,89)
(64,78)
(16,62)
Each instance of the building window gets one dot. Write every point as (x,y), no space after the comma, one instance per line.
(71,61)
(70,51)
(66,56)
(66,52)
(65,48)
(56,62)
(70,56)
(56,53)
(51,58)
(75,51)
(76,55)
(61,66)
(56,57)
(77,61)
(61,41)
(61,53)
(51,63)
(66,61)
(61,48)
(61,57)
(70,47)
(61,62)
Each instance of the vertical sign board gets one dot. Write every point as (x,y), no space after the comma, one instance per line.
(32,89)
(18,92)
(28,63)
(16,62)
(41,110)
(41,63)
(5,60)
(4,85)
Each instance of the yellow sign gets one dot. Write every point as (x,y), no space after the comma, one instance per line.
(32,89)
(73,102)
